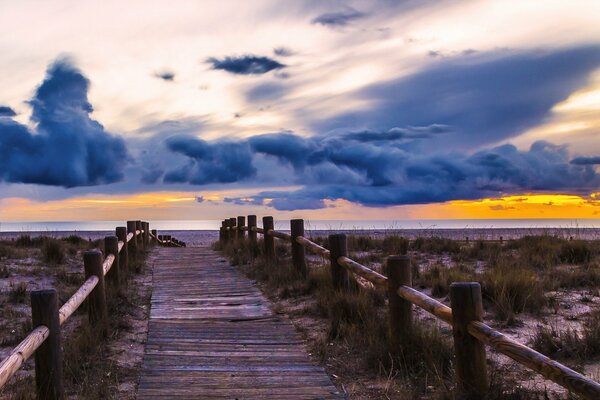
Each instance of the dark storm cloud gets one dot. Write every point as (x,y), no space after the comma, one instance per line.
(168,76)
(338,19)
(586,160)
(6,111)
(245,65)
(378,173)
(214,162)
(66,147)
(484,98)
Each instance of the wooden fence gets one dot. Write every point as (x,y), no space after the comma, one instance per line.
(470,333)
(45,339)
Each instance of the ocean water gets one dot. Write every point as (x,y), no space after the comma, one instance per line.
(329,225)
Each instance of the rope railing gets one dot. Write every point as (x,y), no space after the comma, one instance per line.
(464,315)
(47,317)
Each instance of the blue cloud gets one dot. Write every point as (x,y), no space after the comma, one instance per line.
(66,147)
(245,65)
(166,75)
(216,162)
(265,92)
(586,160)
(6,111)
(338,19)
(282,52)
(483,98)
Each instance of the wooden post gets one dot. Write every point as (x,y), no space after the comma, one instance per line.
(131,225)
(400,310)
(222,233)
(233,230)
(471,368)
(121,232)
(338,248)
(251,233)
(98,312)
(241,222)
(111,246)
(269,241)
(146,236)
(298,259)
(139,238)
(48,357)
(155,234)
(226,234)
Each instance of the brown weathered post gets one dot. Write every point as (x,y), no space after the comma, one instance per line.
(471,368)
(400,310)
(226,234)
(233,230)
(121,232)
(139,239)
(298,259)
(241,222)
(222,233)
(155,235)
(48,357)
(251,233)
(131,225)
(111,246)
(337,249)
(98,311)
(269,240)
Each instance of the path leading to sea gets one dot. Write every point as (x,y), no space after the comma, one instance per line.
(212,335)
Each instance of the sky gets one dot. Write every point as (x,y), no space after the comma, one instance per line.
(317,109)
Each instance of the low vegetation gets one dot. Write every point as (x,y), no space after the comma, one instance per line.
(90,371)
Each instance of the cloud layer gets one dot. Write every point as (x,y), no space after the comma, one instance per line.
(66,147)
(245,65)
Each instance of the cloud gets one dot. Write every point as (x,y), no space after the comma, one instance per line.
(215,162)
(245,65)
(338,19)
(6,111)
(265,92)
(586,160)
(282,52)
(484,98)
(66,147)
(379,174)
(165,75)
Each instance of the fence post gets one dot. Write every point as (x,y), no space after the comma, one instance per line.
(232,230)
(111,246)
(155,234)
(222,233)
(133,242)
(48,357)
(121,232)
(251,233)
(269,241)
(241,222)
(146,236)
(226,233)
(338,248)
(400,310)
(138,238)
(471,368)
(98,312)
(298,259)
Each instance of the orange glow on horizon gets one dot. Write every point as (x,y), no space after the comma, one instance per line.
(183,205)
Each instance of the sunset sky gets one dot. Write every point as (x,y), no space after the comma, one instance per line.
(321,109)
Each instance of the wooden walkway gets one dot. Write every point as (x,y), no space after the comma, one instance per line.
(212,335)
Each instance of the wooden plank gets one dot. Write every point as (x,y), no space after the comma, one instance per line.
(212,335)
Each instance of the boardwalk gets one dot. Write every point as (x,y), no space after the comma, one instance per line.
(212,336)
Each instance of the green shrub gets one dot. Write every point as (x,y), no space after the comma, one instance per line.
(17,293)
(440,277)
(576,252)
(436,245)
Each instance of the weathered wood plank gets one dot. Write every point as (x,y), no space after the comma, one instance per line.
(212,335)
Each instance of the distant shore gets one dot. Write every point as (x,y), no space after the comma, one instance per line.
(201,237)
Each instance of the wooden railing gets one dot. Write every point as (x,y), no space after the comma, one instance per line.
(45,339)
(470,333)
